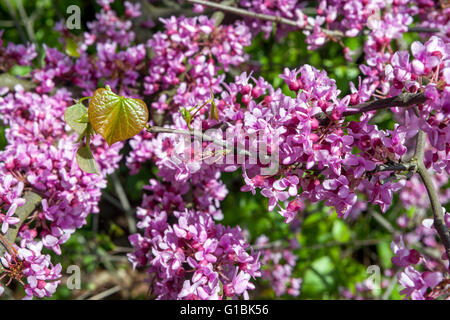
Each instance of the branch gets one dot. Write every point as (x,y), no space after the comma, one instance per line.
(423,30)
(436,207)
(244,13)
(353,243)
(198,134)
(289,22)
(32,201)
(389,166)
(390,288)
(382,221)
(125,204)
(106,293)
(262,16)
(112,200)
(394,167)
(279,244)
(10,81)
(417,164)
(402,100)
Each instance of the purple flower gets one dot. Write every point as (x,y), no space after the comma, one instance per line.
(9,219)
(290,77)
(239,285)
(416,283)
(132,10)
(404,257)
(428,55)
(360,164)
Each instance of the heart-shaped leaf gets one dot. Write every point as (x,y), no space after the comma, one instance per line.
(116,118)
(86,160)
(73,114)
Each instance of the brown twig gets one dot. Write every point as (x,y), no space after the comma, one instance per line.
(262,16)
(402,100)
(197,134)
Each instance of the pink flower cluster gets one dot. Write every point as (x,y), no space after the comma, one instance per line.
(108,28)
(117,62)
(383,21)
(189,256)
(278,267)
(427,70)
(429,17)
(417,285)
(14,54)
(414,193)
(315,161)
(187,57)
(40,157)
(41,275)
(368,289)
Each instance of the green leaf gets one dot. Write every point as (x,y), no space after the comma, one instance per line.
(318,278)
(353,43)
(213,114)
(385,254)
(218,17)
(86,160)
(72,48)
(340,231)
(115,230)
(116,118)
(186,116)
(83,119)
(73,114)
(20,71)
